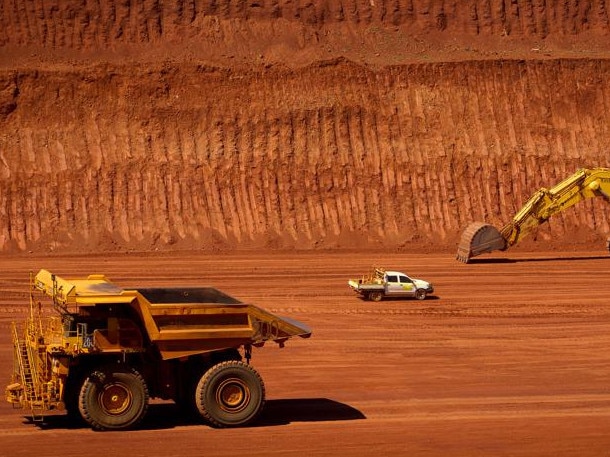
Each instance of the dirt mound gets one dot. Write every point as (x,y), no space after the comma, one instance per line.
(337,124)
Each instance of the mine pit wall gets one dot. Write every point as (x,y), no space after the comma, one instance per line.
(310,151)
(82,24)
(328,156)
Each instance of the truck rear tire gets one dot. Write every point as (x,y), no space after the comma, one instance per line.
(375,296)
(230,394)
(113,398)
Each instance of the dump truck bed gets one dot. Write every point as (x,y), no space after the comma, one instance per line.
(165,295)
(188,321)
(179,321)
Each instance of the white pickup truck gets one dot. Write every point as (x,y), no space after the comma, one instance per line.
(381,283)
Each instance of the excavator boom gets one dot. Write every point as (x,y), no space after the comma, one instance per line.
(479,237)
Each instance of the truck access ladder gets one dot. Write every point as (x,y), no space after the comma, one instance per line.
(28,370)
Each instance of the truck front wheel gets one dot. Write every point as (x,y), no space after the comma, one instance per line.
(420,294)
(71,395)
(229,394)
(113,398)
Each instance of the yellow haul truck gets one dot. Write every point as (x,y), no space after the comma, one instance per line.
(101,353)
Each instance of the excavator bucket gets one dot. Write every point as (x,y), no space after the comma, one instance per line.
(479,238)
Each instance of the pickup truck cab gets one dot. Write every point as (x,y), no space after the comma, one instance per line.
(381,283)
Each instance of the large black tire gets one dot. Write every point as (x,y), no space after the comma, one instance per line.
(71,396)
(230,394)
(113,398)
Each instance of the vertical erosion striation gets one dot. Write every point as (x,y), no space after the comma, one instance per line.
(79,24)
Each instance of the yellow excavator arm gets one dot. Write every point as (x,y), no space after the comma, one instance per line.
(479,238)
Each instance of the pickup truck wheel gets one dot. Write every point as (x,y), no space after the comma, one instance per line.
(229,394)
(113,398)
(375,296)
(420,294)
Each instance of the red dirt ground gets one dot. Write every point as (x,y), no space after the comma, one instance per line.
(508,358)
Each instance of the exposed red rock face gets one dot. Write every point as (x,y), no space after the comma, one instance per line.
(277,124)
